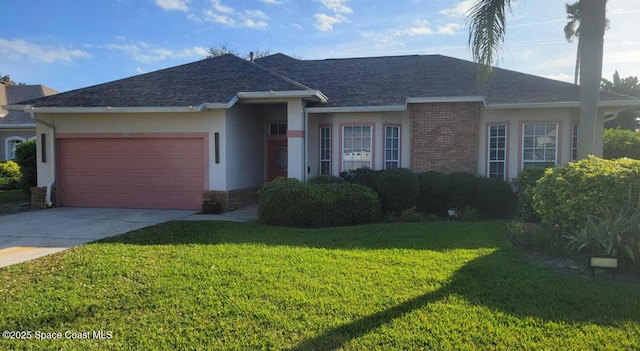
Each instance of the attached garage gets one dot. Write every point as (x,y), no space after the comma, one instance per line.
(131,172)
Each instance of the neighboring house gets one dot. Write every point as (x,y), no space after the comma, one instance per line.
(17,126)
(221,127)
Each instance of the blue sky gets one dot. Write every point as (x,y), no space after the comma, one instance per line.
(69,44)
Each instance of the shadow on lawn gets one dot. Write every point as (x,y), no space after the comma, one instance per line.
(513,289)
(414,236)
(504,280)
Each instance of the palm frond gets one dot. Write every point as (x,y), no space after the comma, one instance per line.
(486,21)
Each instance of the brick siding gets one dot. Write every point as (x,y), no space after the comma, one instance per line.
(444,137)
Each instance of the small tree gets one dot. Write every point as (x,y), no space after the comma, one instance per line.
(26,158)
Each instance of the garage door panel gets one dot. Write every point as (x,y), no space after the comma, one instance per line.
(135,173)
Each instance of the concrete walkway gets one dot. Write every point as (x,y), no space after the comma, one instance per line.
(28,235)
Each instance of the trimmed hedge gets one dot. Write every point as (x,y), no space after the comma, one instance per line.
(566,195)
(434,188)
(398,189)
(462,190)
(324,179)
(289,202)
(495,198)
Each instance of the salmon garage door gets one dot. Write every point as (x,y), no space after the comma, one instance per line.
(162,173)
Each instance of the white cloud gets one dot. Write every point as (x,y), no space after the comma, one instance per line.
(458,10)
(337,6)
(217,4)
(218,18)
(20,49)
(169,5)
(423,27)
(147,53)
(296,26)
(273,2)
(256,14)
(139,70)
(325,22)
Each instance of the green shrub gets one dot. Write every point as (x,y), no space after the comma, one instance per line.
(525,185)
(462,190)
(620,143)
(325,179)
(467,214)
(289,202)
(411,215)
(10,176)
(398,189)
(565,195)
(434,188)
(362,176)
(495,198)
(26,158)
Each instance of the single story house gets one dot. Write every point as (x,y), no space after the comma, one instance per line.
(221,127)
(17,126)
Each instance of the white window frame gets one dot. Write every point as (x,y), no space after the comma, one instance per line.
(575,131)
(365,151)
(493,151)
(9,148)
(389,159)
(325,149)
(537,145)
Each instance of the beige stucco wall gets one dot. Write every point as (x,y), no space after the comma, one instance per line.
(245,146)
(336,120)
(209,121)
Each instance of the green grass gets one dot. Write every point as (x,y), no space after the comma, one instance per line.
(9,196)
(241,286)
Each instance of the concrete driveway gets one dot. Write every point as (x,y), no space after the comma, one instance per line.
(27,235)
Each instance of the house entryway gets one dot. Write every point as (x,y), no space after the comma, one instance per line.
(277,158)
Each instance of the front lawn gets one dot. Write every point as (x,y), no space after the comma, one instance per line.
(241,286)
(9,196)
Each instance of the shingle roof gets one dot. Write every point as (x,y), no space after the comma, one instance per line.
(214,80)
(12,94)
(372,81)
(390,80)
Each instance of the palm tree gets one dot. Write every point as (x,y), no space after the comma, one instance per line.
(572,31)
(487,28)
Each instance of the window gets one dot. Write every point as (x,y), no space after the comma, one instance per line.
(277,129)
(11,143)
(497,151)
(539,144)
(325,150)
(391,147)
(574,142)
(356,147)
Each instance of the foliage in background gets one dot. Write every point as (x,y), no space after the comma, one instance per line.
(26,158)
(620,143)
(289,202)
(627,86)
(525,185)
(325,179)
(411,215)
(10,175)
(434,189)
(565,195)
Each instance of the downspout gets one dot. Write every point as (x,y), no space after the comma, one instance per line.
(47,199)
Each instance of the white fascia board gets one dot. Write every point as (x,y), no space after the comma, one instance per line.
(427,100)
(317,94)
(17,126)
(108,109)
(564,104)
(220,105)
(384,108)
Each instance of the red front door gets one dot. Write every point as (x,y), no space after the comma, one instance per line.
(277,159)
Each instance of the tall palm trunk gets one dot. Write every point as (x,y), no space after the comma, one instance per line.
(591,42)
